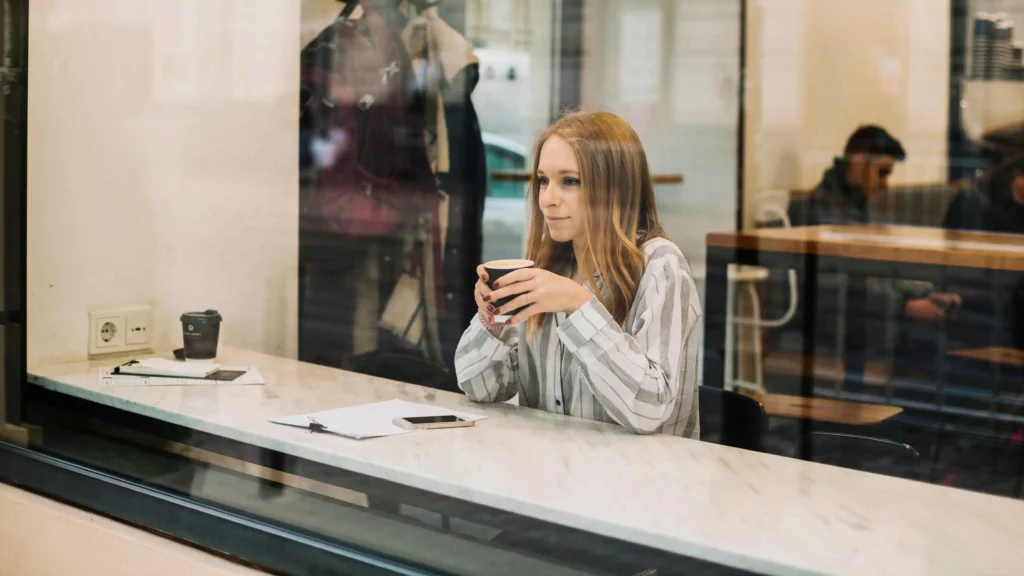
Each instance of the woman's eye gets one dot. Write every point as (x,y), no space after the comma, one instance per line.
(571,182)
(542,181)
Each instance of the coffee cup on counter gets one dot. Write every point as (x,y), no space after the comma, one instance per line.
(497,269)
(200,332)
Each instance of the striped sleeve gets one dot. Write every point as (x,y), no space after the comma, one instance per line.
(485,364)
(637,375)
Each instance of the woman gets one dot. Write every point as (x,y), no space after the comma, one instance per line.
(611,324)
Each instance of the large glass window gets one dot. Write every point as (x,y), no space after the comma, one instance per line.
(250,233)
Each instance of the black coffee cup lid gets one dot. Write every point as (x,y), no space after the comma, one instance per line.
(207,316)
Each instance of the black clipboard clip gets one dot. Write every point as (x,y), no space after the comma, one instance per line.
(315,426)
(117,369)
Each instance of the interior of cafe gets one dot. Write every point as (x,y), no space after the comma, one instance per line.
(253,236)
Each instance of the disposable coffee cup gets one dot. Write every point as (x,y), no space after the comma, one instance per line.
(200,331)
(495,270)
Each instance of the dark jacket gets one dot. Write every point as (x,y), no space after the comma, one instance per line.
(988,207)
(833,201)
(979,209)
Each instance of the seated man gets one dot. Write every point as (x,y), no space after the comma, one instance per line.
(842,197)
(845,189)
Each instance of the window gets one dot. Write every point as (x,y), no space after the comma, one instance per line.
(240,249)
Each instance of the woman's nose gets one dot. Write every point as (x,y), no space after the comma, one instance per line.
(550,196)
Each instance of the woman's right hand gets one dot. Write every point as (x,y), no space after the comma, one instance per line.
(481,290)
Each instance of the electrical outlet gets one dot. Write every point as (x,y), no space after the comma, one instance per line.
(122,329)
(138,329)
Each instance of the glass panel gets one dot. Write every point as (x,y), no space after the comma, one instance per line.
(857,114)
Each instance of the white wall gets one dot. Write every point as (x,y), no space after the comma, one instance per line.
(671,68)
(163,167)
(816,69)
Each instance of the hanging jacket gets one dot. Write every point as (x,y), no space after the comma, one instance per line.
(365,183)
(444,74)
(360,141)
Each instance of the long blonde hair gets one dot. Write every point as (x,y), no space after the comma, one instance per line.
(620,208)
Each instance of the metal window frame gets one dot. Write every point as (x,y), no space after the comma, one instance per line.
(13,163)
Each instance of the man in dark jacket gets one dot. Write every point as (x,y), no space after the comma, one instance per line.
(846,188)
(842,198)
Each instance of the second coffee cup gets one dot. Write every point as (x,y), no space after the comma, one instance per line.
(200,332)
(495,270)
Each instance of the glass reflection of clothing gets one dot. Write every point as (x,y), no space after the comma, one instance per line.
(642,376)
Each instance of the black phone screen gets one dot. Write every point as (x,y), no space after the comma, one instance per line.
(432,419)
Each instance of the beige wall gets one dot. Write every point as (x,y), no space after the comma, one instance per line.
(41,537)
(816,69)
(671,68)
(163,167)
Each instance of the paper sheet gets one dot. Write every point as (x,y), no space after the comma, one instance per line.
(251,377)
(370,420)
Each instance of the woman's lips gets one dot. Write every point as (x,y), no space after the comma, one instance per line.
(551,219)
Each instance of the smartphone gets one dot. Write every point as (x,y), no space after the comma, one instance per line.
(431,422)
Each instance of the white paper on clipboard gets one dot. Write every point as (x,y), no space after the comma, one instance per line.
(251,377)
(370,420)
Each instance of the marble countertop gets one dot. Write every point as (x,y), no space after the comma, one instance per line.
(743,509)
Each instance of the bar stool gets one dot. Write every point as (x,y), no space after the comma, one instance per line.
(768,206)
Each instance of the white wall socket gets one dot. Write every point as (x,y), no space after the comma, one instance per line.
(123,329)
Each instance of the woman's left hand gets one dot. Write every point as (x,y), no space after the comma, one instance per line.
(539,291)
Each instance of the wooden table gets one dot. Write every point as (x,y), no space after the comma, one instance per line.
(825,410)
(995,355)
(889,244)
(904,252)
(859,251)
(824,368)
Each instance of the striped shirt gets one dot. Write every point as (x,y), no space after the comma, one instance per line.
(642,376)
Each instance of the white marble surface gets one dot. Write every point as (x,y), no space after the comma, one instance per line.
(753,511)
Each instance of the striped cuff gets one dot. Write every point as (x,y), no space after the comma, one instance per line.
(582,325)
(503,336)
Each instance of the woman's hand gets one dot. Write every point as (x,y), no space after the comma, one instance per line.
(539,291)
(480,292)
